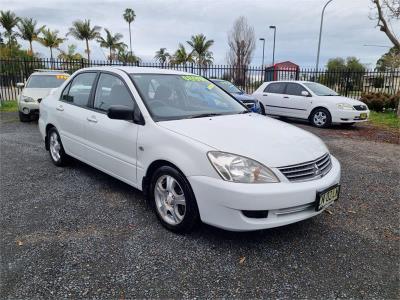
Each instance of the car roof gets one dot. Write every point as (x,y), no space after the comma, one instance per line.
(292,81)
(137,70)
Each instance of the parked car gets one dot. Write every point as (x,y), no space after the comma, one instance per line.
(192,160)
(250,101)
(38,86)
(310,101)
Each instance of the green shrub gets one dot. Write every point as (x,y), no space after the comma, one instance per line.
(381,101)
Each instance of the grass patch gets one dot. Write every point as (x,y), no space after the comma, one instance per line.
(9,106)
(384,119)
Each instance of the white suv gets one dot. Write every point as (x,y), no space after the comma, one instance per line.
(38,86)
(152,129)
(311,101)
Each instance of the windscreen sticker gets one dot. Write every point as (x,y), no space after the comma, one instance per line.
(62,77)
(210,86)
(192,78)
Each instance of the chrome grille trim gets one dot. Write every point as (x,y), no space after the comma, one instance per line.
(309,170)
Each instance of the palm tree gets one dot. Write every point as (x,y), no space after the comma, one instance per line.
(181,56)
(129,16)
(70,54)
(162,55)
(9,20)
(50,39)
(111,42)
(28,31)
(200,49)
(81,30)
(128,57)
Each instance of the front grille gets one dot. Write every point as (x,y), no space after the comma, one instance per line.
(360,107)
(249,103)
(309,170)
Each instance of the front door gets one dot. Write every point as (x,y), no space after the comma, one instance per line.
(272,97)
(294,103)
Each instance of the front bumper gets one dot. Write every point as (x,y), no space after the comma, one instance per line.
(221,203)
(28,107)
(349,116)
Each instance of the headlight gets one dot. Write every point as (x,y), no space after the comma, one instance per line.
(241,169)
(27,99)
(345,106)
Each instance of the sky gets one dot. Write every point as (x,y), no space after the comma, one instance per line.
(165,23)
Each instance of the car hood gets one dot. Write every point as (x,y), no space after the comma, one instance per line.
(36,93)
(341,99)
(243,97)
(269,141)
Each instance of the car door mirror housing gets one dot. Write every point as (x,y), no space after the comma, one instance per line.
(120,112)
(305,94)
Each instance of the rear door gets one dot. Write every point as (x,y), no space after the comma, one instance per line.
(294,104)
(272,98)
(112,143)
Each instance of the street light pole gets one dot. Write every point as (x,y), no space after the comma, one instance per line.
(263,40)
(273,51)
(320,32)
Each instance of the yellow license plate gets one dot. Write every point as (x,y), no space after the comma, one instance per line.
(363,116)
(327,197)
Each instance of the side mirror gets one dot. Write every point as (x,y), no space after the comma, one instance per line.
(120,112)
(305,94)
(20,85)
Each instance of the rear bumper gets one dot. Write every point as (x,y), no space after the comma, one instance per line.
(351,116)
(222,203)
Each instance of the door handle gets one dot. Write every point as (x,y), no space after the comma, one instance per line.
(265,95)
(60,108)
(286,97)
(92,119)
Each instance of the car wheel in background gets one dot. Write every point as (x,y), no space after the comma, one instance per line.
(173,200)
(23,117)
(56,149)
(262,109)
(321,118)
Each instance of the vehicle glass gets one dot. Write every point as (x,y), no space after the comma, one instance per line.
(111,91)
(275,88)
(228,86)
(80,88)
(320,90)
(294,89)
(173,97)
(45,81)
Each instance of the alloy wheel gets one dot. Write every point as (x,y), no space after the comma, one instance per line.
(55,147)
(320,118)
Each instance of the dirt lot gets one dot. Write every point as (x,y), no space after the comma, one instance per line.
(76,232)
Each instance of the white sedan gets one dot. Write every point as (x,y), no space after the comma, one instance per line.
(192,158)
(310,101)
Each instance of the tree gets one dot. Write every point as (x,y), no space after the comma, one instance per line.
(388,10)
(50,39)
(128,57)
(28,31)
(181,56)
(111,42)
(8,21)
(70,54)
(389,61)
(201,49)
(129,16)
(241,41)
(162,56)
(81,30)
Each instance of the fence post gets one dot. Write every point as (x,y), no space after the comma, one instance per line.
(347,82)
(82,63)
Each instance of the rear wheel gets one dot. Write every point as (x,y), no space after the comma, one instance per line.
(321,118)
(173,200)
(56,149)
(23,117)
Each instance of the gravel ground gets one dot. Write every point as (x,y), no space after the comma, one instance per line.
(75,232)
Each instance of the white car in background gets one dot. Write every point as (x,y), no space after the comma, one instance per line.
(38,86)
(311,101)
(192,158)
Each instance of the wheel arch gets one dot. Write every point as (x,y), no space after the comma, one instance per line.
(319,107)
(46,138)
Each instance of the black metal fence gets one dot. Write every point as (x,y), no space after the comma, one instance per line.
(248,78)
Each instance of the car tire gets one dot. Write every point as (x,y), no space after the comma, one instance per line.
(173,200)
(262,109)
(23,117)
(56,149)
(321,118)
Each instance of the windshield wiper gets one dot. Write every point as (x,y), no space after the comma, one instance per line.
(204,115)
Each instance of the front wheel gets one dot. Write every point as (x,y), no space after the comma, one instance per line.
(262,109)
(173,200)
(56,149)
(321,118)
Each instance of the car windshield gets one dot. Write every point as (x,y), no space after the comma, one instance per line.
(45,81)
(320,90)
(173,97)
(228,86)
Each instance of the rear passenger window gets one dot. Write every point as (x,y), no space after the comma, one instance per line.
(294,89)
(275,88)
(78,92)
(111,91)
